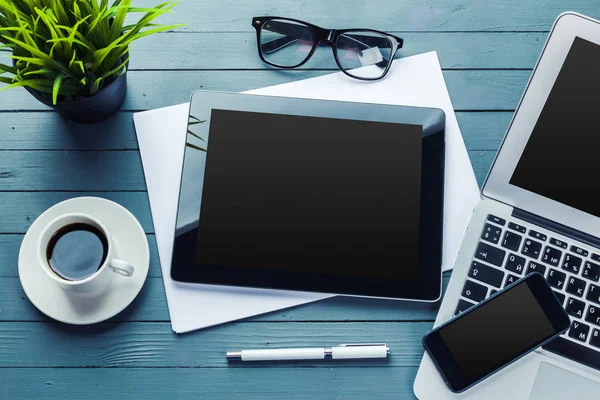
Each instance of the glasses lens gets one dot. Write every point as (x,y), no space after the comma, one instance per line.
(285,43)
(364,54)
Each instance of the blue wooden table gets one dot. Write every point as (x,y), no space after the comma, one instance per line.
(487,50)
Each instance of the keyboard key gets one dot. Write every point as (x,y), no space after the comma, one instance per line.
(558,243)
(575,307)
(579,331)
(560,297)
(483,273)
(535,266)
(591,271)
(551,256)
(496,220)
(595,257)
(579,250)
(595,340)
(517,227)
(491,233)
(511,241)
(593,315)
(537,235)
(515,264)
(510,279)
(594,294)
(531,248)
(463,306)
(490,254)
(556,279)
(474,291)
(571,263)
(493,292)
(575,287)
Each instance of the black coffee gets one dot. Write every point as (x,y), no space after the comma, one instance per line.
(77,251)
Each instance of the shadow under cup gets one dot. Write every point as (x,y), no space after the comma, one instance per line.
(75,250)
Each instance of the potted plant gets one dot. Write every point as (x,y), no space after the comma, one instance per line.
(72,55)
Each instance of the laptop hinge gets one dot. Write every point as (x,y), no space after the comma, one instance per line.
(556,227)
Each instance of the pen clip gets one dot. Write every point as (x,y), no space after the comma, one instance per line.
(361,344)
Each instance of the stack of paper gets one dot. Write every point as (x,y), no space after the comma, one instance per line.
(414,81)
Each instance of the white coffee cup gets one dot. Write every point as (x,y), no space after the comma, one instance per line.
(96,282)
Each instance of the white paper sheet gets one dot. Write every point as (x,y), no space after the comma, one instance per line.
(415,81)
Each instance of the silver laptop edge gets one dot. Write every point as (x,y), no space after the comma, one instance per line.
(524,379)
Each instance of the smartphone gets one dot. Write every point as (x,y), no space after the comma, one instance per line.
(496,332)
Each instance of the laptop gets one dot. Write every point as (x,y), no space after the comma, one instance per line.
(540,211)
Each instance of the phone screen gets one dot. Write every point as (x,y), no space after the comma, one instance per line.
(497,332)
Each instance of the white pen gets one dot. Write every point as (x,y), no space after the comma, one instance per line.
(343,351)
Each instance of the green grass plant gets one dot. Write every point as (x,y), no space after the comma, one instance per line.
(71,49)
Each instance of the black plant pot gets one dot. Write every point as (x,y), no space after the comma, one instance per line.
(89,109)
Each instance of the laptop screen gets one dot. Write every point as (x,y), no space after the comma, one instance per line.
(561,159)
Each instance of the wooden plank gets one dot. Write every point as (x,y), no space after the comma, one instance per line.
(482,161)
(20,209)
(170,51)
(151,305)
(155,345)
(408,15)
(483,130)
(47,131)
(469,90)
(101,170)
(85,170)
(11,243)
(329,382)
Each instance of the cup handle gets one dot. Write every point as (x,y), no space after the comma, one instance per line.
(121,267)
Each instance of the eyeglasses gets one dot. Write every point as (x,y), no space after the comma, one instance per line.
(363,54)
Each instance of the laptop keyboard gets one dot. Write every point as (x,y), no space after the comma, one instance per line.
(507,252)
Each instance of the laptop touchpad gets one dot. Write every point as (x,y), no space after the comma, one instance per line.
(553,383)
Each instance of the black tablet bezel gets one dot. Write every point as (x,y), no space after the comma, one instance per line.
(427,286)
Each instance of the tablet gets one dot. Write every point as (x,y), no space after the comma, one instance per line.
(311,195)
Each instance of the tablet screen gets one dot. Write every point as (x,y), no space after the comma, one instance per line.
(311,194)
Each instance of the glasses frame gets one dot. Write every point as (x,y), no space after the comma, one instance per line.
(325,36)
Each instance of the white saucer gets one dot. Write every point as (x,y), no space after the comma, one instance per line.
(131,245)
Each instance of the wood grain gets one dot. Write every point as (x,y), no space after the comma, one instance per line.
(20,209)
(469,89)
(152,345)
(480,130)
(151,306)
(83,170)
(408,15)
(48,131)
(481,161)
(271,383)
